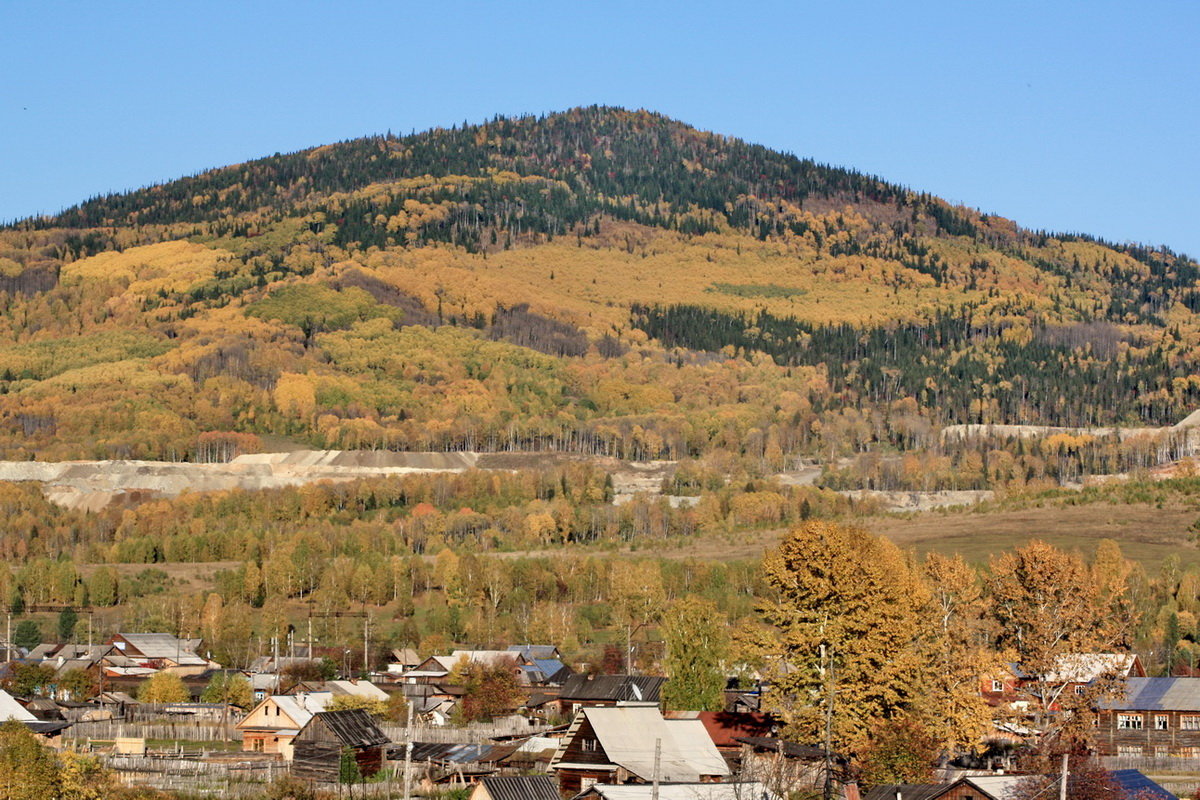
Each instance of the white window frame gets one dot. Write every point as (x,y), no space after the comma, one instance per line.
(1131,722)
(1189,722)
(997,686)
(1162,722)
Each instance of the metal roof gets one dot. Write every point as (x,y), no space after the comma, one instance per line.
(617,688)
(682,791)
(524,787)
(906,791)
(353,727)
(630,734)
(1157,694)
(163,646)
(1134,784)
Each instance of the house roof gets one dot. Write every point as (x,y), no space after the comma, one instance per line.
(681,791)
(405,655)
(299,708)
(357,689)
(1157,694)
(163,646)
(1134,784)
(534,651)
(906,791)
(724,727)
(353,727)
(996,786)
(1087,667)
(11,709)
(803,752)
(630,734)
(524,787)
(617,688)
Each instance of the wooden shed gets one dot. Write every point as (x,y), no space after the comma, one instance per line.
(317,749)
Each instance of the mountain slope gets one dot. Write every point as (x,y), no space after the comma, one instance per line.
(598,280)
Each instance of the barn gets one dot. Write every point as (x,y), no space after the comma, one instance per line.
(317,749)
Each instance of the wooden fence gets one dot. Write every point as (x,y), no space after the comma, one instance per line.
(469,734)
(187,730)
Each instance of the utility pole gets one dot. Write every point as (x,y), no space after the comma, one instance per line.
(408,748)
(275,661)
(657,762)
(366,649)
(1062,786)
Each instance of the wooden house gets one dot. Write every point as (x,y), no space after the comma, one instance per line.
(608,691)
(317,749)
(162,651)
(273,725)
(749,790)
(1129,783)
(1156,718)
(618,745)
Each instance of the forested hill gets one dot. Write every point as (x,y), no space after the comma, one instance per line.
(598,280)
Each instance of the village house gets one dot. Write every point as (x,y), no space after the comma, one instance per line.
(162,652)
(728,730)
(635,744)
(1073,674)
(611,691)
(273,725)
(10,709)
(1130,783)
(317,749)
(679,791)
(1156,718)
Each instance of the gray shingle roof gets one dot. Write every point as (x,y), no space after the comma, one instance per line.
(1157,694)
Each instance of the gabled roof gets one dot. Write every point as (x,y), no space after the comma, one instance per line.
(534,651)
(163,646)
(906,791)
(357,689)
(11,709)
(998,787)
(1134,784)
(801,752)
(724,727)
(298,708)
(616,688)
(629,736)
(1087,667)
(1157,694)
(524,787)
(681,791)
(352,727)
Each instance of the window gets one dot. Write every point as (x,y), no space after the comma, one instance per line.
(1129,722)
(1079,690)
(1189,752)
(1161,722)
(589,745)
(1129,750)
(1161,751)
(997,686)
(1191,723)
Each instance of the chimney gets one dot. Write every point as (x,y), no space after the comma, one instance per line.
(850,791)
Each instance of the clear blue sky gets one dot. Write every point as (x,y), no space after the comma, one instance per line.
(1079,116)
